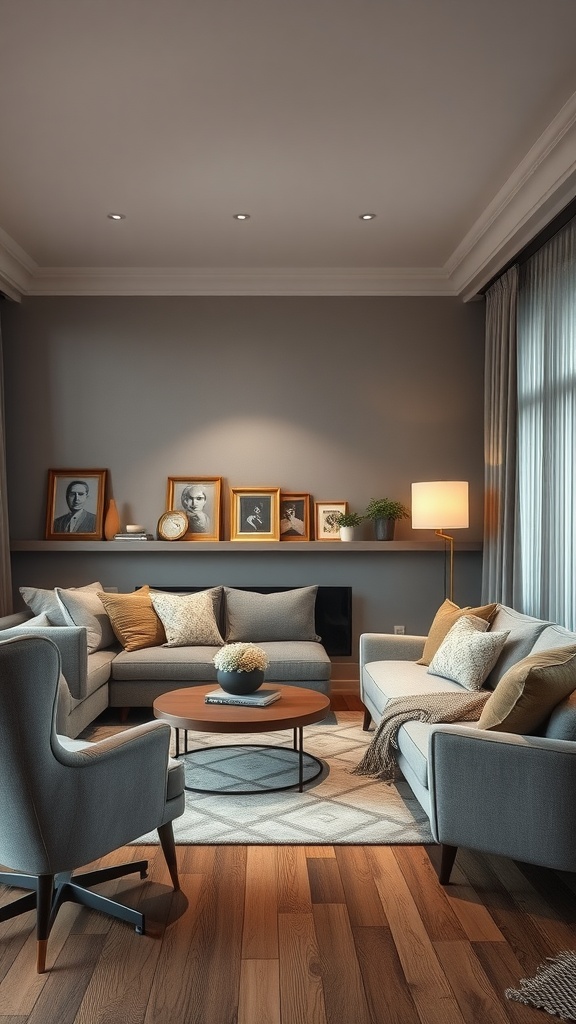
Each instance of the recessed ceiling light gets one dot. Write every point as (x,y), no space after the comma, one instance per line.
(241,216)
(367,216)
(116,216)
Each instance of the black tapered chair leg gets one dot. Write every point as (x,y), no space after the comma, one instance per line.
(367,719)
(166,835)
(44,898)
(447,858)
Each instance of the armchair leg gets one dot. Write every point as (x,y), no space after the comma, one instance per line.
(367,719)
(166,836)
(447,858)
(44,897)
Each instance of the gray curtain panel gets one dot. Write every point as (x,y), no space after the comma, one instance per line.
(5,571)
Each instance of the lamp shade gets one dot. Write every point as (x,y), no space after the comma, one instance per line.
(440,505)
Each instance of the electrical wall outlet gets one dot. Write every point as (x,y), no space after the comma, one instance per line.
(399,630)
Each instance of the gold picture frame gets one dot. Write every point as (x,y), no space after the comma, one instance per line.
(324,526)
(255,513)
(294,516)
(75,505)
(200,498)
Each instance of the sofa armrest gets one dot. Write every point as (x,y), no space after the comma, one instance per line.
(390,647)
(511,795)
(71,642)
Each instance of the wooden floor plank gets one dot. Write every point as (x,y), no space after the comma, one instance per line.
(344,995)
(301,989)
(259,999)
(325,882)
(260,933)
(22,986)
(504,971)
(293,881)
(66,986)
(477,923)
(475,996)
(433,904)
(360,892)
(389,998)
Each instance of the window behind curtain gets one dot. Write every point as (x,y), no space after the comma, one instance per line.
(546,513)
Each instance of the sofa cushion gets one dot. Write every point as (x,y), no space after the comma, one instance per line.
(385,680)
(133,619)
(523,632)
(468,652)
(413,742)
(46,601)
(444,619)
(526,696)
(99,666)
(296,661)
(166,664)
(84,608)
(273,618)
(553,637)
(188,619)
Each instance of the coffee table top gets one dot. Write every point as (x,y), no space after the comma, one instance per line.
(186,709)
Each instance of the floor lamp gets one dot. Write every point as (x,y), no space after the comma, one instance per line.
(441,505)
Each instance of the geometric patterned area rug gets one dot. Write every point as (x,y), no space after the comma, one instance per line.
(553,988)
(336,808)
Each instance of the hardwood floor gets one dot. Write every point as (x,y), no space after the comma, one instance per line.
(297,935)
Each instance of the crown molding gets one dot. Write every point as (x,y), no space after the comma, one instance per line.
(542,184)
(16,268)
(239,281)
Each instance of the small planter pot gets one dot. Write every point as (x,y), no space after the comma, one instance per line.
(347,532)
(240,683)
(384,529)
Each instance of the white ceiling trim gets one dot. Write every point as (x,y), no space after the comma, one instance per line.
(540,186)
(239,281)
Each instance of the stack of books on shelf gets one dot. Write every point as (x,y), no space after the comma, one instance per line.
(259,699)
(133,536)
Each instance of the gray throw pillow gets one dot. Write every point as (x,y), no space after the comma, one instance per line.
(84,608)
(45,602)
(269,618)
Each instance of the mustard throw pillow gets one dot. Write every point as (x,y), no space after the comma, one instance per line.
(134,621)
(529,691)
(445,617)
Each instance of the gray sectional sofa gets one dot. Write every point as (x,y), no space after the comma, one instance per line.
(495,791)
(283,623)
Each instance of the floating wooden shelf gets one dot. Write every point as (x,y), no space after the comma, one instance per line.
(197,547)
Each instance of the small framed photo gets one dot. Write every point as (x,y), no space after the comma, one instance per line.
(326,519)
(75,507)
(254,513)
(199,498)
(294,516)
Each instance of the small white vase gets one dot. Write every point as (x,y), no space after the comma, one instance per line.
(346,533)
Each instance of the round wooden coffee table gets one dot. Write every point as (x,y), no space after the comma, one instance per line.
(186,709)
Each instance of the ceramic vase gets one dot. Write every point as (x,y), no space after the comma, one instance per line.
(111,521)
(240,683)
(346,533)
(384,529)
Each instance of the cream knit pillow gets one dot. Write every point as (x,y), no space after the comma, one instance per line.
(468,653)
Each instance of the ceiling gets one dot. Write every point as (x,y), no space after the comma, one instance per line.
(453,121)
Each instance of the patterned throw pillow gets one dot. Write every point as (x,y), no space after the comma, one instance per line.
(447,614)
(468,653)
(188,619)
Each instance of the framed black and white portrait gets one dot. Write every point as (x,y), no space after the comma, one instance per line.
(199,498)
(294,516)
(75,506)
(254,513)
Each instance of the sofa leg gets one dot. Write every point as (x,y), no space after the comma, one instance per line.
(447,858)
(124,712)
(367,719)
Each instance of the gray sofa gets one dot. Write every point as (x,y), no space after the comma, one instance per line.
(498,792)
(115,677)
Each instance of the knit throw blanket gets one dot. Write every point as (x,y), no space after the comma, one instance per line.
(379,760)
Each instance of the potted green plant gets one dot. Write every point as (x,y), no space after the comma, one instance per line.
(347,521)
(384,512)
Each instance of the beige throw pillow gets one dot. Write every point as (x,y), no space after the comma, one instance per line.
(529,691)
(444,619)
(468,653)
(188,619)
(134,620)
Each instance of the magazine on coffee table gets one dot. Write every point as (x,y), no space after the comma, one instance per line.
(259,699)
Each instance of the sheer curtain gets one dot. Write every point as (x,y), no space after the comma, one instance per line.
(5,572)
(545,581)
(500,441)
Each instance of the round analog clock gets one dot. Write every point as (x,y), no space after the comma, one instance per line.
(172,525)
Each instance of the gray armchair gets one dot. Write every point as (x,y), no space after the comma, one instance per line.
(65,803)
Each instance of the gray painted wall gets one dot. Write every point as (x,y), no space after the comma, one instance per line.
(344,398)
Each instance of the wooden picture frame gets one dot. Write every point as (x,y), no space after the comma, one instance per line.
(254,513)
(200,498)
(75,505)
(294,516)
(324,526)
